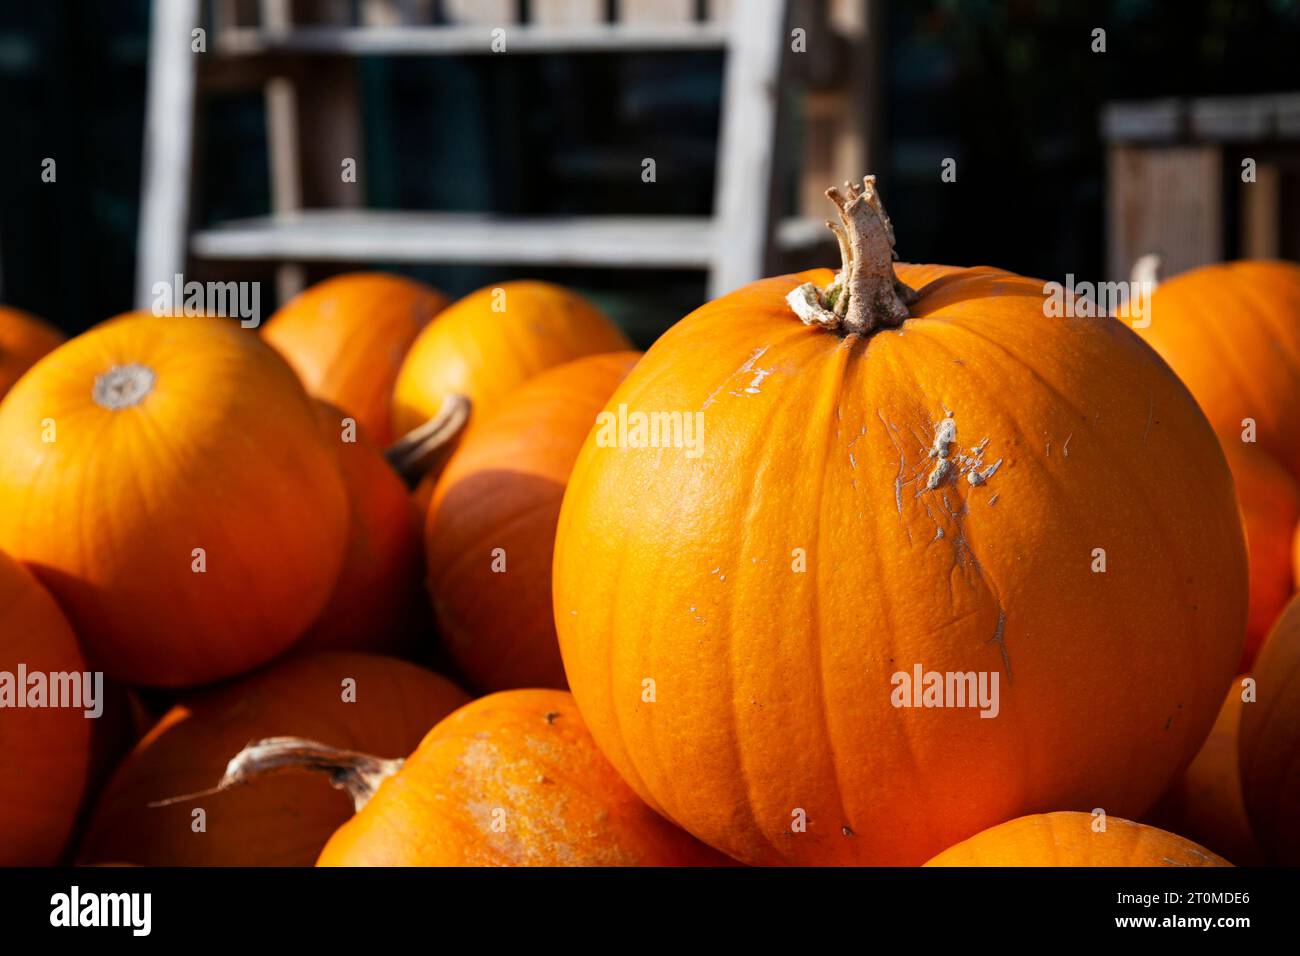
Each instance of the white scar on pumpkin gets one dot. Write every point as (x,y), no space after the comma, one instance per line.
(949,465)
(759,375)
(898,480)
(747,367)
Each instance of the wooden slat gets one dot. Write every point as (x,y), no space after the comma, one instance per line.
(824,120)
(1163,200)
(1154,121)
(229,14)
(282,141)
(236,74)
(848,16)
(838,118)
(168,147)
(820,65)
(381,13)
(329,121)
(1261,209)
(1233,119)
(417,12)
(320,107)
(471,39)
(320,11)
(752,108)
(468,237)
(328,111)
(1289,208)
(568,12)
(656,11)
(1288,117)
(281,118)
(386,236)
(497,13)
(802,233)
(720,10)
(1239,119)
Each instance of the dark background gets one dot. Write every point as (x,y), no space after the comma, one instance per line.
(1011,90)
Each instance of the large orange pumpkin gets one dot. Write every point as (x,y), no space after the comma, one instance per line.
(1232,333)
(1270,508)
(944,480)
(1270,743)
(512,779)
(44,750)
(346,338)
(1205,803)
(283,820)
(1075,839)
(490,532)
(166,479)
(23,340)
(377,598)
(492,340)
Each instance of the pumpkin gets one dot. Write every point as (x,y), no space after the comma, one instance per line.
(346,338)
(1295,554)
(490,532)
(1270,742)
(119,728)
(1270,508)
(492,340)
(147,816)
(378,603)
(167,481)
(23,339)
(1075,839)
(893,503)
(1205,802)
(1232,333)
(376,600)
(45,750)
(512,779)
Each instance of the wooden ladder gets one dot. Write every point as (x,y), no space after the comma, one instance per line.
(314,220)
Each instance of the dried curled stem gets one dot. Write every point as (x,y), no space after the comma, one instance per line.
(866,295)
(358,774)
(426,449)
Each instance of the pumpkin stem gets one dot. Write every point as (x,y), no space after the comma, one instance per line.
(123,386)
(1142,282)
(425,449)
(1146,272)
(356,773)
(866,295)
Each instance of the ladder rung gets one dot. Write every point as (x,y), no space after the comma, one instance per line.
(471,39)
(652,242)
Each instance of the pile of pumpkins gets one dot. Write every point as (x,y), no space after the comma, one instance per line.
(370,586)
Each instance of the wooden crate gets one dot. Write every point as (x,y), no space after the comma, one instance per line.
(1175,185)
